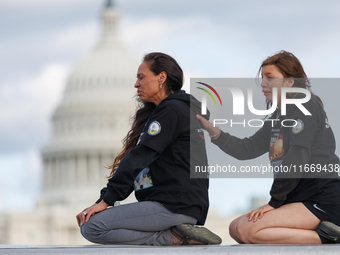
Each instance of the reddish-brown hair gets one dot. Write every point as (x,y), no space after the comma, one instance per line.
(290,67)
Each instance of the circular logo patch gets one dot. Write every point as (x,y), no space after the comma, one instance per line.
(154,128)
(298,128)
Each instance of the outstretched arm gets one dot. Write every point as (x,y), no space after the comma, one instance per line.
(246,148)
(207,125)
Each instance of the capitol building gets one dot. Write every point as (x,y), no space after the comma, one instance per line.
(88,126)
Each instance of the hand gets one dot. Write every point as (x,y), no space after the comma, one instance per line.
(85,215)
(207,125)
(259,212)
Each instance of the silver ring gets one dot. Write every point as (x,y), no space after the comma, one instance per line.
(85,213)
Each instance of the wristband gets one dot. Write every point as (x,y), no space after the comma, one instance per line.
(215,136)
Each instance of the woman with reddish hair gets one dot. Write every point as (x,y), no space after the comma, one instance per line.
(305,205)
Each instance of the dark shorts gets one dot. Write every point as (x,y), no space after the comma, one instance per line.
(325,212)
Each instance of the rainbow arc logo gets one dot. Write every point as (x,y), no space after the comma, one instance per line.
(209,93)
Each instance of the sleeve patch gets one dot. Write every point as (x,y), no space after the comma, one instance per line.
(154,128)
(299,127)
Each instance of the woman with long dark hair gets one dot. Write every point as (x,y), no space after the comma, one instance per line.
(305,204)
(155,163)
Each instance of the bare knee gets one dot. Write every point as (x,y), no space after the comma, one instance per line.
(240,231)
(246,231)
(232,229)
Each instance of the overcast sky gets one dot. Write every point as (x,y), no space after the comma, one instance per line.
(40,42)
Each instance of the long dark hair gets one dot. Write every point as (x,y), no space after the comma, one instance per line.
(131,138)
(158,62)
(290,67)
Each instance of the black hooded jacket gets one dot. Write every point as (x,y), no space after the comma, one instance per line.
(158,168)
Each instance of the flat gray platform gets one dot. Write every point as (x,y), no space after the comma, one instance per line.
(198,249)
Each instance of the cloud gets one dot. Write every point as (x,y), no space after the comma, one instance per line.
(77,38)
(235,36)
(43,4)
(26,106)
(209,38)
(21,191)
(29,53)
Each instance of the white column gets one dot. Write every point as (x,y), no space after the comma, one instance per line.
(72,171)
(106,160)
(94,170)
(82,170)
(49,171)
(58,172)
(53,173)
(45,174)
(63,172)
